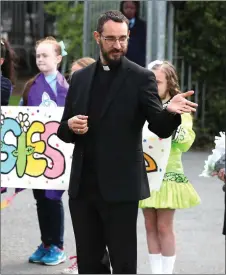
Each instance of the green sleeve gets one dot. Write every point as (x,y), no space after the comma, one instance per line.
(185,135)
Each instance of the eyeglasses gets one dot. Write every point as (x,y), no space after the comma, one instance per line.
(111,40)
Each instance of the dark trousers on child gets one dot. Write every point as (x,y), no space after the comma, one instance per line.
(51,219)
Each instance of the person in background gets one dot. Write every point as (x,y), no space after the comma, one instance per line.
(7,71)
(8,63)
(137,27)
(81,63)
(73,269)
(176,191)
(48,89)
(220,170)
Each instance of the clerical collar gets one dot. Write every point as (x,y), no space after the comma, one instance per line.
(110,67)
(106,68)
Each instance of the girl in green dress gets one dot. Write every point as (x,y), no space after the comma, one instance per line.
(176,191)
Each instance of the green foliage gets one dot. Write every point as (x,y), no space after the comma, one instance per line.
(69,25)
(202,36)
(202,43)
(14,100)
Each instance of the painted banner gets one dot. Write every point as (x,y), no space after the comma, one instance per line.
(156,155)
(33,157)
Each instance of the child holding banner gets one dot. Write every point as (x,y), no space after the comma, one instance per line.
(7,81)
(73,269)
(176,192)
(76,66)
(49,89)
(7,71)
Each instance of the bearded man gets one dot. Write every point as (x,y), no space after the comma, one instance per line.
(106,107)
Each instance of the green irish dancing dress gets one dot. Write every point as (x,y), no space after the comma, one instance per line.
(176,191)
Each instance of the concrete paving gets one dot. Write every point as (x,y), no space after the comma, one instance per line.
(200,243)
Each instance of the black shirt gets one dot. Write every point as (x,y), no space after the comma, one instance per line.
(99,91)
(101,84)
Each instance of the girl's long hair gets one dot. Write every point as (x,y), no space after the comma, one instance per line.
(171,77)
(9,56)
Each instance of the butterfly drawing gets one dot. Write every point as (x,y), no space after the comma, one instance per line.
(47,101)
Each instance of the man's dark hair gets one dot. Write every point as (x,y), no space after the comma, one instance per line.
(113,15)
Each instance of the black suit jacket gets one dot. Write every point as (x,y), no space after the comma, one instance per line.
(132,99)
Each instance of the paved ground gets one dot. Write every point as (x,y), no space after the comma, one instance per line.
(200,245)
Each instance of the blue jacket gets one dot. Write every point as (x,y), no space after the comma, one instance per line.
(6,89)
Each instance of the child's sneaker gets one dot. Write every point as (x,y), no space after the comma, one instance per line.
(38,254)
(73,269)
(54,256)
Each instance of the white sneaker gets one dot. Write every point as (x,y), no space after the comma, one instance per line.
(73,269)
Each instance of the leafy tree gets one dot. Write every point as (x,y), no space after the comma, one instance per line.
(202,42)
(69,25)
(202,35)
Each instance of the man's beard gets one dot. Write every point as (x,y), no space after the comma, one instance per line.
(108,59)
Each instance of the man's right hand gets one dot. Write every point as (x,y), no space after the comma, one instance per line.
(78,124)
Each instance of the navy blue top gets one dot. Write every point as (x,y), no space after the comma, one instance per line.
(6,89)
(137,42)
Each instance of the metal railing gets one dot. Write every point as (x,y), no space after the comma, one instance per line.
(24,22)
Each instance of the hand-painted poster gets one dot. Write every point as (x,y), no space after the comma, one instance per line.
(156,155)
(33,157)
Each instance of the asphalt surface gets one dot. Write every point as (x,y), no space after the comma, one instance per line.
(200,243)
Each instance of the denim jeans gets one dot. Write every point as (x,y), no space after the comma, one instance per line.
(51,219)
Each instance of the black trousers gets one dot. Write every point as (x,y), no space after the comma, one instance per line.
(97,224)
(51,219)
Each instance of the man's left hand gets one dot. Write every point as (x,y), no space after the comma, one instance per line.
(179,104)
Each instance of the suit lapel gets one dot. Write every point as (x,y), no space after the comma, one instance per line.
(120,77)
(83,100)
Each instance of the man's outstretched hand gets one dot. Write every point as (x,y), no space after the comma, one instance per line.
(179,104)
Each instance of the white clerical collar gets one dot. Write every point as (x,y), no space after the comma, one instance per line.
(106,68)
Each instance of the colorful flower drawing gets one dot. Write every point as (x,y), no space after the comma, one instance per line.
(23,150)
(22,119)
(2,119)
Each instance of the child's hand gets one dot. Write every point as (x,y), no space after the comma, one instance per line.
(221,174)
(214,174)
